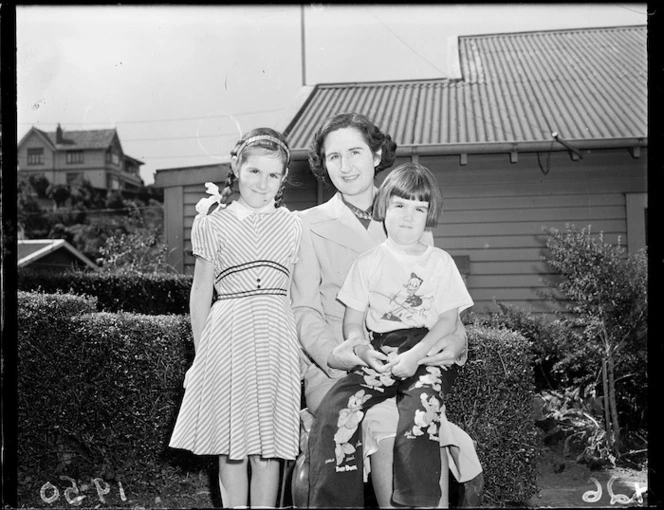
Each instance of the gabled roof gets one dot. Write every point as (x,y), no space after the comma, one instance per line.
(41,134)
(134,160)
(84,139)
(31,250)
(80,140)
(584,84)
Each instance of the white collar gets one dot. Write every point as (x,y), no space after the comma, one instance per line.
(243,212)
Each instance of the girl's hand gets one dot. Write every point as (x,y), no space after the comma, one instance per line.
(404,365)
(371,357)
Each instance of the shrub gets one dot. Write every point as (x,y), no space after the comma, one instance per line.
(34,305)
(549,339)
(492,400)
(97,392)
(606,292)
(150,294)
(140,250)
(574,414)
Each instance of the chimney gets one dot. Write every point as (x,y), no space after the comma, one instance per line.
(58,134)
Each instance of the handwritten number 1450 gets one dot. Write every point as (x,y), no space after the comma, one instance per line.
(49,493)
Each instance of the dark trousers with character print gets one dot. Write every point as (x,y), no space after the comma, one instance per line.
(335,441)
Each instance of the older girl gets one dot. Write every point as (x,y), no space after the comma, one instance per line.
(242,397)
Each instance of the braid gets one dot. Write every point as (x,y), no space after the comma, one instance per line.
(279,197)
(228,190)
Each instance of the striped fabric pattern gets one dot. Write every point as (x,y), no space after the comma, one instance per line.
(242,393)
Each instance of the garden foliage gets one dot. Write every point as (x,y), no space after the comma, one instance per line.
(605,291)
(99,393)
(150,293)
(492,400)
(554,366)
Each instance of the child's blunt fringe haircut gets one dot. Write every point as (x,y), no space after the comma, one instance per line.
(410,181)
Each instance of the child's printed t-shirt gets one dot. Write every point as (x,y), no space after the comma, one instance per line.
(404,291)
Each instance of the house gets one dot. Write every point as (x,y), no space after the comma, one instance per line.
(67,157)
(534,130)
(51,255)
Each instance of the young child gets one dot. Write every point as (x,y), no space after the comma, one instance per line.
(242,392)
(408,296)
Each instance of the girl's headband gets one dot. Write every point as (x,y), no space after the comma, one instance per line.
(269,138)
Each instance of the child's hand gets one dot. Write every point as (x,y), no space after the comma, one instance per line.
(404,365)
(370,356)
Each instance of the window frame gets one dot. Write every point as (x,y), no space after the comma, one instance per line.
(75,157)
(35,156)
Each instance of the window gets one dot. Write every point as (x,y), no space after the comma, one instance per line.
(36,156)
(112,157)
(112,183)
(74,157)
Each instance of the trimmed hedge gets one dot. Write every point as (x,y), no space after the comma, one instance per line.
(99,393)
(150,294)
(492,399)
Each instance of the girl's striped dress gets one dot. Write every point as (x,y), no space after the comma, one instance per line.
(242,392)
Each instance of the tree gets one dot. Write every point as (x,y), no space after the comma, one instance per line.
(40,184)
(114,200)
(29,214)
(607,291)
(85,196)
(59,193)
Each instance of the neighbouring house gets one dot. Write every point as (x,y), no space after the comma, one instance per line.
(532,130)
(51,255)
(69,157)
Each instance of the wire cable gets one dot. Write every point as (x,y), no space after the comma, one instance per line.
(164,120)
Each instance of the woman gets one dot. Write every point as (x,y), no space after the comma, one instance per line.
(348,151)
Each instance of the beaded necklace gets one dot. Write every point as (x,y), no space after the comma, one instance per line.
(362,215)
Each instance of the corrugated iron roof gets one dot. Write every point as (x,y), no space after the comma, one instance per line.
(585,84)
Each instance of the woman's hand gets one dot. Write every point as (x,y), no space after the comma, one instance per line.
(343,357)
(448,349)
(370,356)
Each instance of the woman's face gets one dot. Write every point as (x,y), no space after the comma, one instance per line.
(350,163)
(259,179)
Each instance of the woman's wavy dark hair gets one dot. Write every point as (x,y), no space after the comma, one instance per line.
(373,136)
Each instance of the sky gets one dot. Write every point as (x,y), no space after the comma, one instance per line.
(182,83)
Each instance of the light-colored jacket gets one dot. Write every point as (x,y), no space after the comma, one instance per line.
(332,238)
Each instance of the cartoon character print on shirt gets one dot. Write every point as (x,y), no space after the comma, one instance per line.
(406,304)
